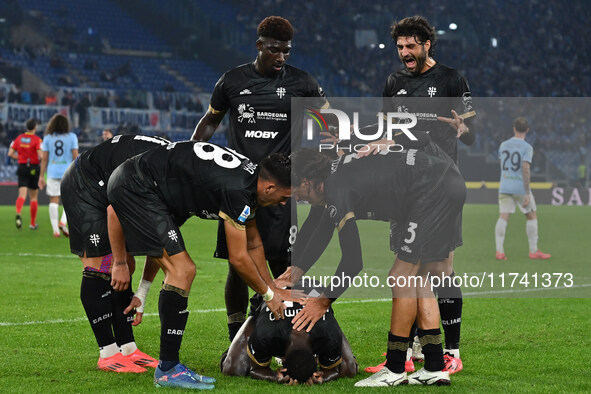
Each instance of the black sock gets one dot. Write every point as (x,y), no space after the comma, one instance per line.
(172,308)
(431,344)
(450,309)
(236,297)
(413,332)
(95,294)
(235,321)
(396,354)
(122,323)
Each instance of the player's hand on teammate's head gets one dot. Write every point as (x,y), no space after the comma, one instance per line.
(294,295)
(276,306)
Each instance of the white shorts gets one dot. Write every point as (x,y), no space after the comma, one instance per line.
(53,187)
(507,203)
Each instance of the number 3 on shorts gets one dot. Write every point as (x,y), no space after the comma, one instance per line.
(411,230)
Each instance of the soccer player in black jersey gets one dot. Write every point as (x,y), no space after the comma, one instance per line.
(262,336)
(430,90)
(423,190)
(258,96)
(105,291)
(154,193)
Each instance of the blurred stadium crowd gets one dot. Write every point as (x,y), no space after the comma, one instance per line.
(115,61)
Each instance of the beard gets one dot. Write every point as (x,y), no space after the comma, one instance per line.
(420,61)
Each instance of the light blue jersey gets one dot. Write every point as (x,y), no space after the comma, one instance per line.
(59,148)
(512,153)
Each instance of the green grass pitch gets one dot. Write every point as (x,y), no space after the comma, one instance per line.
(514,338)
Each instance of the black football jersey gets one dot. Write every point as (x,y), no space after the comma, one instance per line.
(202,179)
(384,186)
(429,95)
(260,108)
(99,162)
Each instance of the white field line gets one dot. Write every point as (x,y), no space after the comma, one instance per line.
(343,302)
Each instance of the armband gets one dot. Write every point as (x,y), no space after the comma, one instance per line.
(141,293)
(268,296)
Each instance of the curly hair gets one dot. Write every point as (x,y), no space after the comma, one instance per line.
(275,27)
(58,124)
(417,27)
(310,164)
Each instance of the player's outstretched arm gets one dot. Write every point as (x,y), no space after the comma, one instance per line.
(243,264)
(207,125)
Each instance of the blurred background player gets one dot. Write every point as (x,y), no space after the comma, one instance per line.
(516,158)
(105,291)
(156,192)
(263,86)
(59,148)
(107,135)
(26,148)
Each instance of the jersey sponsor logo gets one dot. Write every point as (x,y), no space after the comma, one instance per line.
(431,91)
(280,92)
(261,134)
(276,116)
(401,92)
(246,112)
(332,211)
(173,236)
(245,91)
(245,214)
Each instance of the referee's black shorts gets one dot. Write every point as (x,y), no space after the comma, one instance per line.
(28,175)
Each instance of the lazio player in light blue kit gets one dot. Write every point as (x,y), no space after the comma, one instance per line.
(59,148)
(516,156)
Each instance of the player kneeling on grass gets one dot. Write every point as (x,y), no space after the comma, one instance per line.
(105,289)
(420,187)
(262,337)
(154,193)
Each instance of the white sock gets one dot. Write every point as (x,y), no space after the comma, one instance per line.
(64,218)
(408,353)
(109,350)
(128,348)
(53,214)
(531,229)
(500,228)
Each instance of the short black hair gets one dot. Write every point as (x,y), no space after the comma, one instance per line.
(275,27)
(521,124)
(300,364)
(417,27)
(310,164)
(276,167)
(31,123)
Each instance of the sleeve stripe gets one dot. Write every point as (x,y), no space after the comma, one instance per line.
(338,362)
(264,364)
(468,115)
(214,111)
(231,221)
(344,220)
